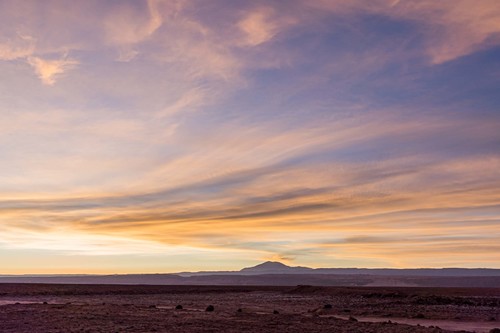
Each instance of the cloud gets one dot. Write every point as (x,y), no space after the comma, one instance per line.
(216,199)
(198,52)
(50,70)
(190,100)
(451,29)
(258,26)
(22,47)
(126,54)
(125,25)
(466,26)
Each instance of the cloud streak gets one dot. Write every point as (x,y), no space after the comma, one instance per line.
(360,198)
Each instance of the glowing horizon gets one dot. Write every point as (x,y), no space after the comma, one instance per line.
(166,136)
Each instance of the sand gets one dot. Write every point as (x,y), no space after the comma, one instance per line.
(91,308)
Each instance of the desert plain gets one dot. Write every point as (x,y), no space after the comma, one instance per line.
(145,308)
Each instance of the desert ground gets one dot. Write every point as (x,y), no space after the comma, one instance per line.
(128,308)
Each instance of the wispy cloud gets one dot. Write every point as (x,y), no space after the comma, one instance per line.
(258,26)
(451,28)
(345,199)
(20,48)
(50,70)
(125,25)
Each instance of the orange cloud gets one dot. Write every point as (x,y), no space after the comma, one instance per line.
(50,70)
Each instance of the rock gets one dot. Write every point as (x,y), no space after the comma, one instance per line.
(276,312)
(210,308)
(239,310)
(178,307)
(327,306)
(351,318)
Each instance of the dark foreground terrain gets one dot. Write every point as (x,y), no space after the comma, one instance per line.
(125,308)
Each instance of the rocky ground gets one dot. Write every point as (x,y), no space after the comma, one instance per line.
(80,308)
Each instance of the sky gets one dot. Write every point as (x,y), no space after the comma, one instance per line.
(182,135)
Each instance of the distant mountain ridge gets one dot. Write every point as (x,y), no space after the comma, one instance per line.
(270,267)
(275,267)
(274,273)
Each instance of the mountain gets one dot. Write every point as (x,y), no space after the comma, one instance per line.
(274,267)
(268,267)
(272,273)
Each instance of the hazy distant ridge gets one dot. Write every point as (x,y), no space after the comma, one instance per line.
(275,273)
(274,267)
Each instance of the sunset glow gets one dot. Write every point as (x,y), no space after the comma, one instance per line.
(174,135)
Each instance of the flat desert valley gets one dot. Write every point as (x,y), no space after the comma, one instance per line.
(147,308)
